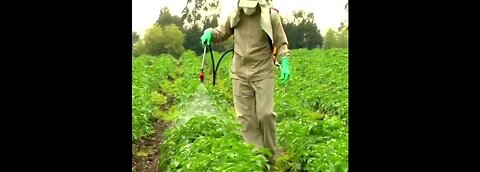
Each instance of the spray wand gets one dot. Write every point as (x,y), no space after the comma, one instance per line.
(202,74)
(214,68)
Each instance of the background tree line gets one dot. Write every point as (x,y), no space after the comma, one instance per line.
(168,35)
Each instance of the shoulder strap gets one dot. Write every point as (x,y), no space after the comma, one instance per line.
(271,22)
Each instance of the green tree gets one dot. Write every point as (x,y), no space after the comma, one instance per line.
(292,34)
(342,38)
(197,12)
(192,39)
(135,37)
(302,32)
(173,40)
(139,48)
(162,40)
(196,19)
(165,18)
(330,39)
(312,36)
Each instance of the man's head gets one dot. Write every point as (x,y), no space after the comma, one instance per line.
(248,6)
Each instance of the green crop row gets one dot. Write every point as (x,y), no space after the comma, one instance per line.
(205,135)
(312,113)
(312,109)
(319,84)
(208,143)
(320,145)
(148,74)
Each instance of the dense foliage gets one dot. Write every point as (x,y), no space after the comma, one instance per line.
(312,111)
(148,72)
(161,39)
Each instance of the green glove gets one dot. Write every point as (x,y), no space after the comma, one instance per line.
(207,36)
(285,76)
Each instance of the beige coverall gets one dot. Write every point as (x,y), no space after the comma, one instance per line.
(253,70)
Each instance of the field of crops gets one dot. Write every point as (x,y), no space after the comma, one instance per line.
(202,133)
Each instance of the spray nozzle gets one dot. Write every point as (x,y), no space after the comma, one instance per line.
(202,75)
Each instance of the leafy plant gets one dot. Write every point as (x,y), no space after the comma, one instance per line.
(315,145)
(147,74)
(312,113)
(208,143)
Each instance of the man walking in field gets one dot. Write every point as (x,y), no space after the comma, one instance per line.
(257,31)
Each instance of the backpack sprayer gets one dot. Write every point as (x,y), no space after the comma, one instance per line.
(214,68)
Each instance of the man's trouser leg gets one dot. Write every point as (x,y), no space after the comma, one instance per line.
(254,107)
